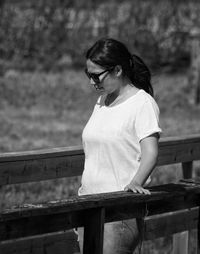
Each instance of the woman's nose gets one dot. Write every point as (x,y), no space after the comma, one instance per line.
(92,81)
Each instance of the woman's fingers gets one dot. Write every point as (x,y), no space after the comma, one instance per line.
(147,192)
(137,189)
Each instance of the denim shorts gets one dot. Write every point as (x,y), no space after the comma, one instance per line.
(120,237)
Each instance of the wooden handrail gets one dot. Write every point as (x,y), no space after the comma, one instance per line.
(61,215)
(55,163)
(175,203)
(158,193)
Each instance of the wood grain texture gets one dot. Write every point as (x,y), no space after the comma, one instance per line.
(30,220)
(57,243)
(93,231)
(77,203)
(62,215)
(55,163)
(180,243)
(171,223)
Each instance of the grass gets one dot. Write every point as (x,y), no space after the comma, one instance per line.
(44,110)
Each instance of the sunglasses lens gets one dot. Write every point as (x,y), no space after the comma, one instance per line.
(95,78)
(92,76)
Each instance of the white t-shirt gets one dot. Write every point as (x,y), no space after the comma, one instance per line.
(111,142)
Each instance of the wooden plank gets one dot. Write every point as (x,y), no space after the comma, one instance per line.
(78,150)
(198,236)
(180,243)
(43,169)
(55,163)
(93,231)
(171,223)
(176,153)
(46,244)
(38,225)
(180,240)
(162,192)
(41,154)
(62,215)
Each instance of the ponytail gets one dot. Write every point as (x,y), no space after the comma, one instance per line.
(140,74)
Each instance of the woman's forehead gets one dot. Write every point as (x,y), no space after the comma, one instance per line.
(92,67)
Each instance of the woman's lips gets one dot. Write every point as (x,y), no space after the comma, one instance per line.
(99,88)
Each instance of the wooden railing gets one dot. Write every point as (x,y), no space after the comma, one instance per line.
(170,209)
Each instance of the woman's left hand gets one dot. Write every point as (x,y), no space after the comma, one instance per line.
(136,188)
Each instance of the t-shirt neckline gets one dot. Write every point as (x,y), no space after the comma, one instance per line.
(123,102)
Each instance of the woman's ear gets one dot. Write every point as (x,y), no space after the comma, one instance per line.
(118,70)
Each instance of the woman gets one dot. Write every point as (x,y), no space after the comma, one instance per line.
(120,139)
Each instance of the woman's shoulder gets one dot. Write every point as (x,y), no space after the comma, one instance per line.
(145,99)
(142,97)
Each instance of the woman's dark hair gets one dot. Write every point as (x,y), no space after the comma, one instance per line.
(110,52)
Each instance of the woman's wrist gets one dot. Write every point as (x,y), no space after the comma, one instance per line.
(136,182)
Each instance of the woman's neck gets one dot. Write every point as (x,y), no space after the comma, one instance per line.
(121,94)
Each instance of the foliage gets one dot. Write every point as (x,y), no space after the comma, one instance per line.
(44,34)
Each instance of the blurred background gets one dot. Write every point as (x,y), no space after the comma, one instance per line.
(45,97)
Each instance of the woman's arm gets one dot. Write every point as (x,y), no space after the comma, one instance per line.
(149,154)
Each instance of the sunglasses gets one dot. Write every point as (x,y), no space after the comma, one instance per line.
(95,76)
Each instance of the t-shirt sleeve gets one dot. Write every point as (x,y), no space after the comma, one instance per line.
(147,120)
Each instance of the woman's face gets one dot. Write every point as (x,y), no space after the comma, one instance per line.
(108,81)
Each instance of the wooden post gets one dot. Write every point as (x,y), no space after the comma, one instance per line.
(198,236)
(2,3)
(194,76)
(180,240)
(180,243)
(94,232)
(187,169)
